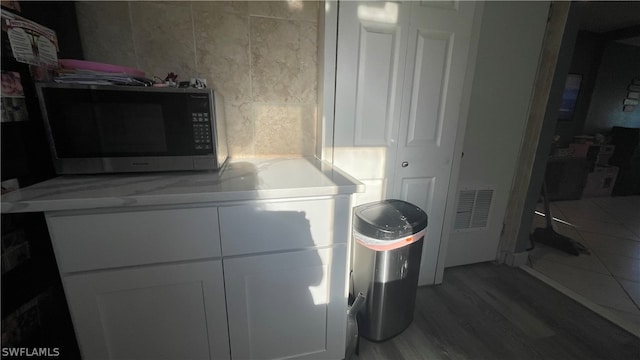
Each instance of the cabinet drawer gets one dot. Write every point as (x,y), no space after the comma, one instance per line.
(108,240)
(265,227)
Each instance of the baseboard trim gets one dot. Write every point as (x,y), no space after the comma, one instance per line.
(628,326)
(516,259)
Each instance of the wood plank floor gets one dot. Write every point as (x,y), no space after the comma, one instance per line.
(489,311)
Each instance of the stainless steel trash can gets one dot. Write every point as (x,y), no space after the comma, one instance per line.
(388,239)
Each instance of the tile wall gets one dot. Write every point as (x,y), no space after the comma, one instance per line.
(261,55)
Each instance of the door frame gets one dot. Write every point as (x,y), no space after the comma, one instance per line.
(555,60)
(327,55)
(452,193)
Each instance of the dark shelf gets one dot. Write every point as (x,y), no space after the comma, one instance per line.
(34,309)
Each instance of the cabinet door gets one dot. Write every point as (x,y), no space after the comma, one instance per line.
(288,305)
(158,312)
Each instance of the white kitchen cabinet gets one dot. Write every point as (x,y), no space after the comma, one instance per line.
(174,311)
(241,280)
(151,263)
(287,305)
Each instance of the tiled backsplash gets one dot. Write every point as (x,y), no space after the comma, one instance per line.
(260,55)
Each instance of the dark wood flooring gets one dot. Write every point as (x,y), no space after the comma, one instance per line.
(489,311)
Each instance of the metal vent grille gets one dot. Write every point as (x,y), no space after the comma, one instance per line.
(473,209)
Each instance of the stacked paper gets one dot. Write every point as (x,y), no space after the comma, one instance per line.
(100,78)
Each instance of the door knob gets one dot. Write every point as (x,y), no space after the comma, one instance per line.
(405,163)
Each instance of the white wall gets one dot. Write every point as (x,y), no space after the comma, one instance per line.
(620,65)
(511,39)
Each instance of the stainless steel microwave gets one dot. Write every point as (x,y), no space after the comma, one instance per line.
(109,129)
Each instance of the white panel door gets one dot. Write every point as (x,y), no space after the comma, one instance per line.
(401,70)
(156,312)
(438,51)
(288,305)
(372,41)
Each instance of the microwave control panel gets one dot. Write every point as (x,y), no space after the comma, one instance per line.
(201,130)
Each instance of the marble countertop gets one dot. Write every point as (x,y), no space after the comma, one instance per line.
(241,180)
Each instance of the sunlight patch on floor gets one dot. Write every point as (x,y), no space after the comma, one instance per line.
(555,219)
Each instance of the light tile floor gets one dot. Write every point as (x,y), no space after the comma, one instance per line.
(610,275)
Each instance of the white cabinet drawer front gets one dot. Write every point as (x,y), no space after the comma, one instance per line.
(266,227)
(108,240)
(158,312)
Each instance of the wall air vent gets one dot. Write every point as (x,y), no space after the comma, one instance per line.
(474,208)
